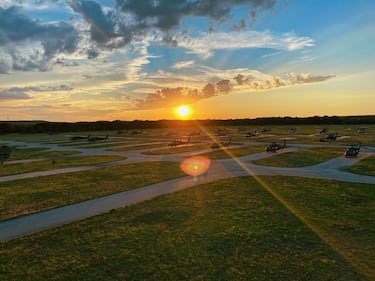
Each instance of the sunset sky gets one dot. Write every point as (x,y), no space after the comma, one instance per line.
(88,60)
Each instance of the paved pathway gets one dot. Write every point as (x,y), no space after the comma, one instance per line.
(219,169)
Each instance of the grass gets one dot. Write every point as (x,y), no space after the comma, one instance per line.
(37,152)
(365,166)
(137,147)
(105,145)
(231,229)
(21,197)
(77,143)
(178,149)
(234,152)
(45,165)
(342,212)
(305,157)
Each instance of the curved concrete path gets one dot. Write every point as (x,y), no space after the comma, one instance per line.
(219,169)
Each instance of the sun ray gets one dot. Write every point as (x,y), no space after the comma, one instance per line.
(324,236)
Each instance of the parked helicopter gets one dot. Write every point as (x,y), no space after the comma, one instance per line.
(192,134)
(361,131)
(353,150)
(218,145)
(251,134)
(80,137)
(221,132)
(97,138)
(136,132)
(121,132)
(329,137)
(175,143)
(273,147)
(265,130)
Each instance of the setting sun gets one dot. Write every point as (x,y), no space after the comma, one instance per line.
(183,111)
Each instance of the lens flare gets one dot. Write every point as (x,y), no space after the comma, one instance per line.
(195,165)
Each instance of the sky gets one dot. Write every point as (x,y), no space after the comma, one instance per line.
(90,60)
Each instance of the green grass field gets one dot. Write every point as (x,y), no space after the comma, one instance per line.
(245,228)
(227,230)
(59,163)
(25,196)
(179,149)
(365,166)
(228,152)
(138,147)
(37,152)
(301,158)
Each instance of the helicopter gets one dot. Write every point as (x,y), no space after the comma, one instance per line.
(80,137)
(218,145)
(361,131)
(265,130)
(176,143)
(251,134)
(329,137)
(273,147)
(97,138)
(136,132)
(353,150)
(192,134)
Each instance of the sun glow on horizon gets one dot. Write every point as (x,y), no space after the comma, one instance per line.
(183,111)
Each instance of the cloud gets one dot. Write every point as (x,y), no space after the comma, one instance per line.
(130,21)
(9,3)
(54,37)
(272,54)
(308,78)
(5,62)
(241,79)
(102,25)
(17,93)
(31,44)
(43,41)
(256,80)
(207,43)
(13,95)
(168,97)
(251,79)
(167,14)
(183,64)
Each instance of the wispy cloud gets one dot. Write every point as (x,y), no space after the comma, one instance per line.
(272,54)
(183,64)
(17,93)
(308,78)
(209,42)
(13,95)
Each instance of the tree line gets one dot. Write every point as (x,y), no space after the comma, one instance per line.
(118,125)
